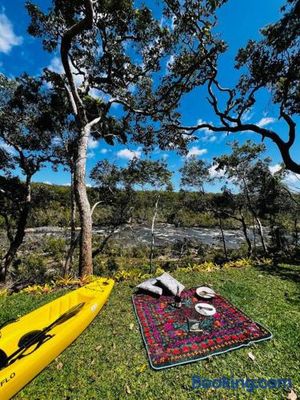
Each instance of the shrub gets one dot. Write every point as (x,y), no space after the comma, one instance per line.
(240,263)
(140,251)
(205,266)
(38,289)
(31,268)
(111,265)
(3,292)
(99,265)
(55,246)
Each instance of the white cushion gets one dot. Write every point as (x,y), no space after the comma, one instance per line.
(171,283)
(149,285)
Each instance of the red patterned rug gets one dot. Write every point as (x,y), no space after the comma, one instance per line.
(166,332)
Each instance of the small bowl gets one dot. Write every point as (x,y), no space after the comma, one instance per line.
(205,292)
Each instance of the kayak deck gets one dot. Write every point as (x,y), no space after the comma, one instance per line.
(78,307)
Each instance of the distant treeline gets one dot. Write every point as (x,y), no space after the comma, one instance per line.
(51,206)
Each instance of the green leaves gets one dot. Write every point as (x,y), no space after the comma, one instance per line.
(275,59)
(195,173)
(122,57)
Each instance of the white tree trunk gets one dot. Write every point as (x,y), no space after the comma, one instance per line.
(261,234)
(85,258)
(152,232)
(73,238)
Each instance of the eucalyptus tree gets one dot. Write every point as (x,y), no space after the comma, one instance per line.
(269,66)
(27,126)
(154,175)
(118,53)
(119,185)
(64,151)
(230,205)
(274,201)
(195,174)
(116,196)
(239,167)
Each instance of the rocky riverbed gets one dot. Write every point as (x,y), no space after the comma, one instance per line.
(165,234)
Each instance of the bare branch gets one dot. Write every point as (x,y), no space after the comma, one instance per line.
(95,205)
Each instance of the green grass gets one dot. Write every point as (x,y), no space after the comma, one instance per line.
(108,361)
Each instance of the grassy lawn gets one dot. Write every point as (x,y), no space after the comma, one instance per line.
(108,361)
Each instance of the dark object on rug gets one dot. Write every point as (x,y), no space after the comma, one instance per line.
(167,337)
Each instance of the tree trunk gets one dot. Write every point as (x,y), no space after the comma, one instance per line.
(253,212)
(223,238)
(261,234)
(85,255)
(152,232)
(244,227)
(73,238)
(20,233)
(254,235)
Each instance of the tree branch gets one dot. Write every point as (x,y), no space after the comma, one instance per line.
(284,147)
(68,36)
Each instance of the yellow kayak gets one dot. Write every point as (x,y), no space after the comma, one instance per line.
(29,344)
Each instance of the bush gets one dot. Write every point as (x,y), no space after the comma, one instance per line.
(112,265)
(241,263)
(56,246)
(140,251)
(99,266)
(31,268)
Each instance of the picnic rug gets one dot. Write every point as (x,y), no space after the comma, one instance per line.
(167,338)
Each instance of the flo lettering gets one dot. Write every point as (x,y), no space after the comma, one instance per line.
(7,379)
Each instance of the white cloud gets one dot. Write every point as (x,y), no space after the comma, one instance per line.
(95,93)
(8,38)
(129,154)
(274,168)
(9,149)
(90,154)
(214,173)
(209,137)
(247,116)
(170,62)
(292,180)
(56,65)
(92,143)
(104,151)
(265,121)
(196,151)
(206,130)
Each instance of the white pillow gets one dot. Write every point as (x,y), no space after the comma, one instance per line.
(171,283)
(149,285)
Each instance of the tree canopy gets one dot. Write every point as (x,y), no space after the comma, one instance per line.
(270,64)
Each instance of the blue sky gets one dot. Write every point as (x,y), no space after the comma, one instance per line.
(239,21)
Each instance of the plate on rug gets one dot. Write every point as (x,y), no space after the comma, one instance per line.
(205,309)
(205,292)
